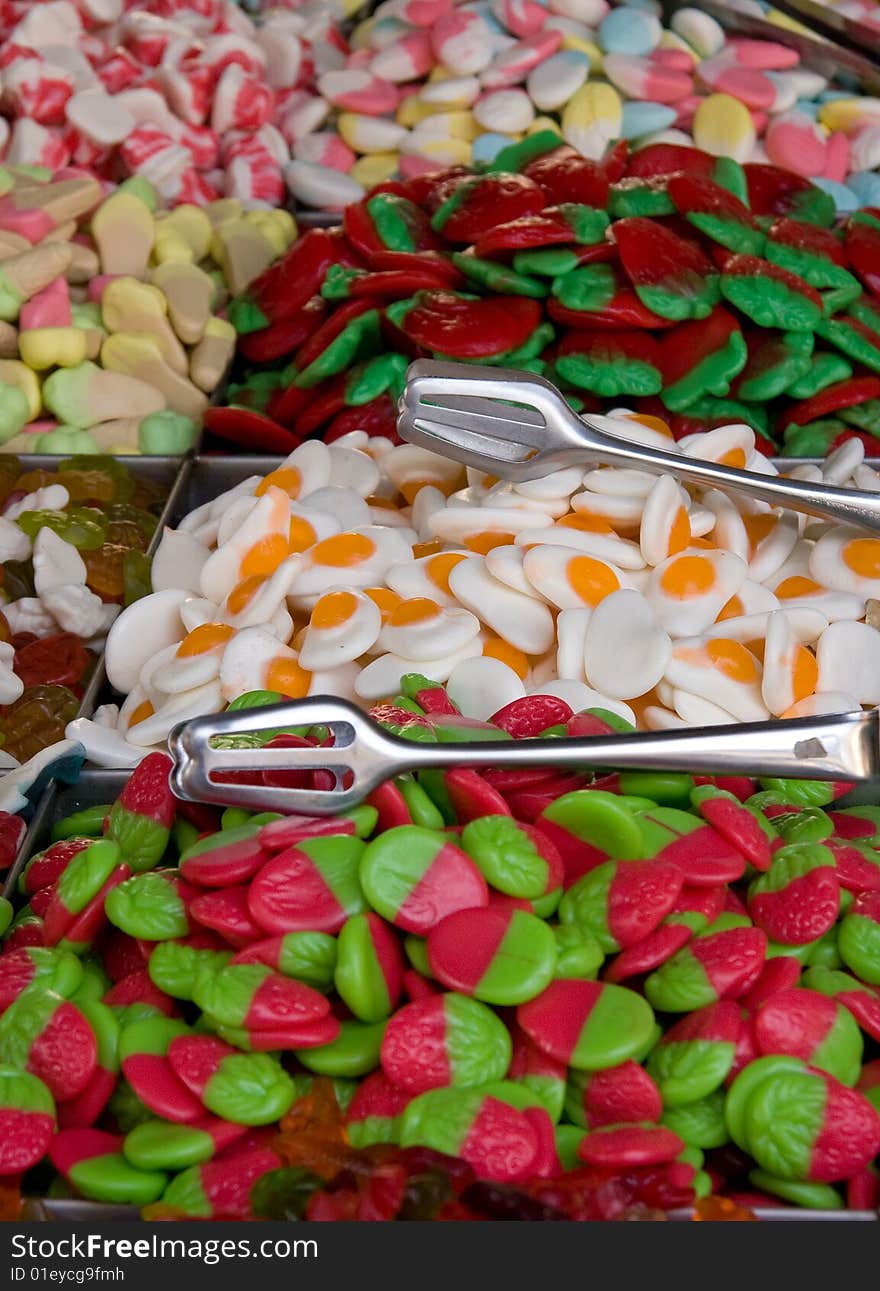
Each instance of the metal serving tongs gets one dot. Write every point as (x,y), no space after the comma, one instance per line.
(518,427)
(364,756)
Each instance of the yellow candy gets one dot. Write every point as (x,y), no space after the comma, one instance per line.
(124,232)
(672,40)
(375,168)
(42,348)
(15,373)
(223,209)
(543,123)
(848,114)
(592,119)
(723,126)
(411,110)
(129,306)
(450,125)
(263,221)
(242,252)
(592,51)
(171,248)
(447,152)
(192,224)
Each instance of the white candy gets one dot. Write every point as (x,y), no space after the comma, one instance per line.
(178,561)
(520,620)
(53,497)
(552,83)
(510,111)
(480,687)
(29,615)
(140,631)
(14,542)
(848,655)
(99,117)
(11,685)
(56,563)
(321,186)
(626,652)
(78,610)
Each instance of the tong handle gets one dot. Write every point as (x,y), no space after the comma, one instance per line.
(842,747)
(848,506)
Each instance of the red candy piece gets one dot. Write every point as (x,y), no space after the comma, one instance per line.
(414,1053)
(740,828)
(471,329)
(619,1095)
(849,1136)
(472,796)
(153,1079)
(253,431)
(227,864)
(44,870)
(863,247)
(619,1146)
(843,394)
(226,911)
(527,717)
(284,336)
(138,988)
(856,872)
(801,911)
(565,176)
(777,975)
(649,953)
(289,894)
(58,660)
(486,201)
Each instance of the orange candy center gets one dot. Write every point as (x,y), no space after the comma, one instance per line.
(797,585)
(505,653)
(333,610)
(204,638)
(687,577)
(286,478)
(287,678)
(862,556)
(590,580)
(440,567)
(243,593)
(733,660)
(264,556)
(301,535)
(417,610)
(343,551)
(141,713)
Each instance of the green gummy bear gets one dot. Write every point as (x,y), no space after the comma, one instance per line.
(167,433)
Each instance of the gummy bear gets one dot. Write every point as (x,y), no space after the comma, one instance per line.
(83,527)
(57,660)
(104,571)
(313,1135)
(37,719)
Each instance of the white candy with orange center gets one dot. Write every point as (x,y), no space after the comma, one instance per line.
(353,563)
(688,590)
(342,626)
(719,670)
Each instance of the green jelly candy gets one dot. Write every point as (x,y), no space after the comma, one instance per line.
(85,875)
(824,952)
(83,527)
(88,823)
(178,969)
(163,1145)
(747,1082)
(368,967)
(811,1196)
(308,956)
(800,793)
(126,1109)
(700,1124)
(150,1035)
(858,939)
(422,810)
(250,1089)
(825,369)
(148,906)
(670,789)
(417,953)
(7,910)
(599,818)
(93,985)
(782,1119)
(354,1052)
(689,1070)
(568,1140)
(497,277)
(811,825)
(578,953)
(111,1178)
(506,856)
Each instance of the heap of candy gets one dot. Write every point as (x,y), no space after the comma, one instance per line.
(72,544)
(205,102)
(430,83)
(355,562)
(696,288)
(111,334)
(190,96)
(651,977)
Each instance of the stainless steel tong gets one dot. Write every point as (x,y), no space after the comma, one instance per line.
(519,427)
(363,755)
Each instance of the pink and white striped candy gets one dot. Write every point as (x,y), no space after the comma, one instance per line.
(358,91)
(462,42)
(794,141)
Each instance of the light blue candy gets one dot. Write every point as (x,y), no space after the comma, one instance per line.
(828,96)
(629,31)
(647,6)
(488,146)
(845,200)
(809,107)
(866,186)
(644,118)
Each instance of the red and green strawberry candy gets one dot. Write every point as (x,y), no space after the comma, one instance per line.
(141,818)
(27,1120)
